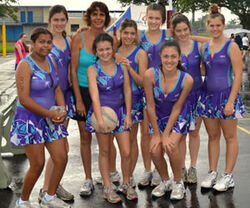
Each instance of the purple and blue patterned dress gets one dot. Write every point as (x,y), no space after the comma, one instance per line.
(111,94)
(62,58)
(218,84)
(137,92)
(164,104)
(191,64)
(28,127)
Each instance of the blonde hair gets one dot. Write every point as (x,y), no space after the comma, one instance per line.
(214,11)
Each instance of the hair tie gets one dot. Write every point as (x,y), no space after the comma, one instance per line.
(169,38)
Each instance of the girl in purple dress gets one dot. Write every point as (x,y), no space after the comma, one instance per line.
(38,90)
(191,62)
(221,104)
(109,86)
(60,52)
(136,59)
(166,89)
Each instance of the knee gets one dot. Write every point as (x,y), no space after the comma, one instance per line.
(37,167)
(125,154)
(156,154)
(86,140)
(60,159)
(104,153)
(214,136)
(230,138)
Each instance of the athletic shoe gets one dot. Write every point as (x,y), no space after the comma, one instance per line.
(98,180)
(156,178)
(129,191)
(26,204)
(178,191)
(132,182)
(41,195)
(145,178)
(115,177)
(64,195)
(224,183)
(184,174)
(162,188)
(111,196)
(54,203)
(192,175)
(210,180)
(87,188)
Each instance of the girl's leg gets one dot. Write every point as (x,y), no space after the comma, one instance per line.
(214,131)
(133,147)
(124,147)
(58,154)
(145,140)
(112,156)
(85,149)
(104,152)
(229,128)
(194,142)
(35,154)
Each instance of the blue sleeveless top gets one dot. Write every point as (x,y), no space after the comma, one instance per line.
(85,60)
(191,64)
(219,74)
(62,58)
(152,49)
(42,83)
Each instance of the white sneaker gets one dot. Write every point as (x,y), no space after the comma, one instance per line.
(162,188)
(156,178)
(224,183)
(178,191)
(210,180)
(54,203)
(87,188)
(26,204)
(115,177)
(145,178)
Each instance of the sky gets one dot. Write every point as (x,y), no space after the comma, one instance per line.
(112,5)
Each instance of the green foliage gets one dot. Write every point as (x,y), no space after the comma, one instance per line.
(9,47)
(7,10)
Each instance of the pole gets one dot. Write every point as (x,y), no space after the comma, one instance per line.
(4,39)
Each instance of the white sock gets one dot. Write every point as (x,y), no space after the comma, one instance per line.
(49,197)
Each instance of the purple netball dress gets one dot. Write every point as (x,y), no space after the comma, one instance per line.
(218,84)
(164,104)
(30,128)
(137,91)
(111,94)
(152,49)
(62,58)
(191,64)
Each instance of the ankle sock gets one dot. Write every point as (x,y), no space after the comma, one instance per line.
(49,197)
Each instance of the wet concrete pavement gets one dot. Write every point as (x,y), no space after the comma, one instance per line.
(195,197)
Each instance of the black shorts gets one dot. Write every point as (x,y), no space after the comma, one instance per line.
(86,101)
(245,48)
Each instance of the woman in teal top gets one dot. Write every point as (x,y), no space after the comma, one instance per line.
(97,18)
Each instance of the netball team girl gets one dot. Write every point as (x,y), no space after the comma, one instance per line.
(136,59)
(38,90)
(167,88)
(151,41)
(221,104)
(109,86)
(191,62)
(58,18)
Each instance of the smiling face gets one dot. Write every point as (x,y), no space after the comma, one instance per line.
(182,32)
(58,22)
(128,35)
(215,26)
(104,51)
(154,19)
(97,19)
(42,45)
(169,58)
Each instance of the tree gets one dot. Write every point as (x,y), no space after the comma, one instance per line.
(6,9)
(240,8)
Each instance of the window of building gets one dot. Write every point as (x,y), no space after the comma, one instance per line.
(30,17)
(74,27)
(23,16)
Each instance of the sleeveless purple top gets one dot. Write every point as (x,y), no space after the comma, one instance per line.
(152,49)
(219,75)
(191,64)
